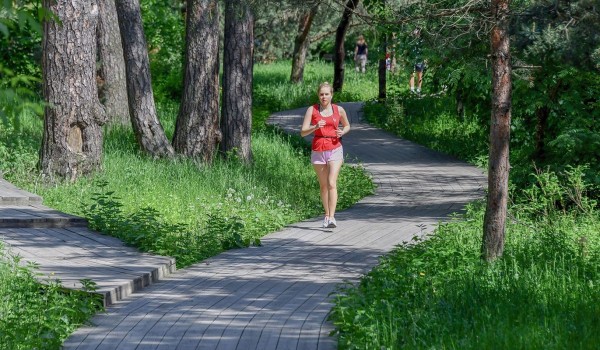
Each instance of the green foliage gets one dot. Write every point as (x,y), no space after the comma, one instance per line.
(543,294)
(145,228)
(39,316)
(164,29)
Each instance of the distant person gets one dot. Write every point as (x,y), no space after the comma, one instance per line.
(420,64)
(327,153)
(361,51)
(418,70)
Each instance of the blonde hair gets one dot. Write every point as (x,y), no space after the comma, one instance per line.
(325,84)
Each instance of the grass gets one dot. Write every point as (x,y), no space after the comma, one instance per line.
(543,294)
(176,208)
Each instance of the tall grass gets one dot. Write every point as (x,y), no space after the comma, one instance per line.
(543,294)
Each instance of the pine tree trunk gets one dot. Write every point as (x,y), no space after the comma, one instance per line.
(237,80)
(112,88)
(301,45)
(498,171)
(146,126)
(197,132)
(72,140)
(339,55)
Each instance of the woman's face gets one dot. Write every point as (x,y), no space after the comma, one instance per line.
(325,95)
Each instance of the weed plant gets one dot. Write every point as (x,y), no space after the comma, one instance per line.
(437,293)
(39,316)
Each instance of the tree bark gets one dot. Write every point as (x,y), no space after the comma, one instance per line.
(237,80)
(146,126)
(499,166)
(339,54)
(112,87)
(301,44)
(197,131)
(73,119)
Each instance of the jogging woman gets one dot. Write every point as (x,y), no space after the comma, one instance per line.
(327,155)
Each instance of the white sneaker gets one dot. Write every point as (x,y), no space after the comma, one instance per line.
(325,222)
(332,223)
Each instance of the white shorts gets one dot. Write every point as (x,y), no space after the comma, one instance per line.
(324,157)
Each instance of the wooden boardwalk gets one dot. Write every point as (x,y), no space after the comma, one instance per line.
(65,249)
(278,296)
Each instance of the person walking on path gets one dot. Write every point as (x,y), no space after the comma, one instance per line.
(360,54)
(327,154)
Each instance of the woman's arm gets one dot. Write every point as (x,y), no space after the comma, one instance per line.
(345,122)
(306,127)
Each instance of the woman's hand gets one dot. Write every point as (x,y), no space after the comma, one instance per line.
(320,124)
(339,132)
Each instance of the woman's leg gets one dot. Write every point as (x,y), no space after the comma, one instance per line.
(334,170)
(419,80)
(322,174)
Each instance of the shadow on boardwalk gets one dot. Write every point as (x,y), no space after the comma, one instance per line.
(278,296)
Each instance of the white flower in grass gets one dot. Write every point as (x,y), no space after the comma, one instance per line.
(238,199)
(279,204)
(249,198)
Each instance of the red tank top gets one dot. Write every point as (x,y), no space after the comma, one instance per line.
(325,138)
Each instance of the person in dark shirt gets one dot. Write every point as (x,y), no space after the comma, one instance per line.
(360,54)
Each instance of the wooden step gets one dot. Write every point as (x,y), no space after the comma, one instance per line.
(37,216)
(11,195)
(76,253)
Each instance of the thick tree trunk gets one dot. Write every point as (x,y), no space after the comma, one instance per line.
(72,141)
(301,45)
(339,55)
(112,88)
(197,132)
(495,214)
(146,126)
(237,79)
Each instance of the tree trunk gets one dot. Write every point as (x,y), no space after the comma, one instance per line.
(237,80)
(495,214)
(382,71)
(197,132)
(339,55)
(146,126)
(73,119)
(112,88)
(301,45)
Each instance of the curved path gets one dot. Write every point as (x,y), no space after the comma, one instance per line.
(277,296)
